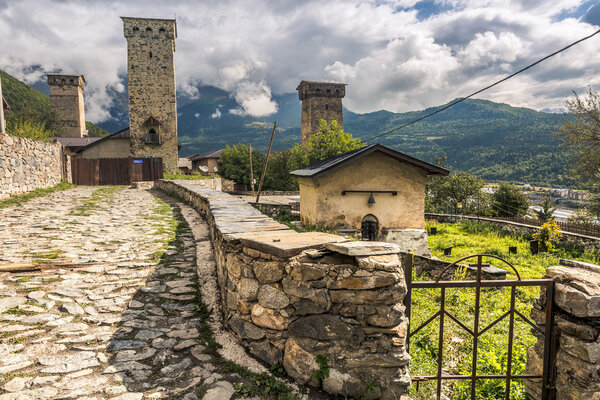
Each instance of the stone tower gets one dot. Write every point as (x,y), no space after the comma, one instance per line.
(66,97)
(151,77)
(320,100)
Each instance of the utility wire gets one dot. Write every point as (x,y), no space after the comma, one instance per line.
(481,90)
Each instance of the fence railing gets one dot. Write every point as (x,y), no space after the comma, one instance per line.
(592,230)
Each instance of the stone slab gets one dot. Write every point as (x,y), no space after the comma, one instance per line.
(286,243)
(351,248)
(580,264)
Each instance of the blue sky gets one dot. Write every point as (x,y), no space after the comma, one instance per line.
(398,55)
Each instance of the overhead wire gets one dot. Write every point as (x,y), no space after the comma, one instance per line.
(481,90)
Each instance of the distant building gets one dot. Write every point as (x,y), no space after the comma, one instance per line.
(568,194)
(66,97)
(151,80)
(115,145)
(374,189)
(207,163)
(320,100)
(72,144)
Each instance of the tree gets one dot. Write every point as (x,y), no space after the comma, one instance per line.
(234,163)
(326,143)
(581,134)
(508,201)
(547,210)
(458,192)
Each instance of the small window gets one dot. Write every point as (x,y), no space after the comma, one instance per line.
(64,81)
(71,81)
(327,106)
(161,31)
(152,137)
(328,91)
(148,30)
(150,54)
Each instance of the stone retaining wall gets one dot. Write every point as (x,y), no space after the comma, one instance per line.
(577,331)
(291,297)
(27,164)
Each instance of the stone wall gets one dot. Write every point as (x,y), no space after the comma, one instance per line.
(27,164)
(291,297)
(577,330)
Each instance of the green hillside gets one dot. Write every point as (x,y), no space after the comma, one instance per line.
(25,100)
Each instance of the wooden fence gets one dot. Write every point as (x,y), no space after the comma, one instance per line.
(115,171)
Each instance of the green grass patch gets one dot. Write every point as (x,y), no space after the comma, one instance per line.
(183,177)
(47,256)
(25,197)
(18,311)
(94,202)
(467,238)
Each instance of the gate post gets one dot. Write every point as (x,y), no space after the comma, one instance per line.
(575,340)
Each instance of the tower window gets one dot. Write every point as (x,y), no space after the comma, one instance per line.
(152,137)
(150,54)
(136,29)
(328,91)
(148,30)
(161,30)
(327,106)
(71,81)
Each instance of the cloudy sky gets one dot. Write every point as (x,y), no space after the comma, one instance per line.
(399,55)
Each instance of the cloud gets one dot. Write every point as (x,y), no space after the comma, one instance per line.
(217,114)
(389,57)
(254,99)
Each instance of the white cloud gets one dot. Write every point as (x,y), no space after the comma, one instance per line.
(254,48)
(217,114)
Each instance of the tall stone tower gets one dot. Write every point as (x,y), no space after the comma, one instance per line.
(151,77)
(66,97)
(320,100)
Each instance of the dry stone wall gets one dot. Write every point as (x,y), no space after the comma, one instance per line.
(292,297)
(27,164)
(577,333)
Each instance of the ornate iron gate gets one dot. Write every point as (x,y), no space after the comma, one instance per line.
(547,376)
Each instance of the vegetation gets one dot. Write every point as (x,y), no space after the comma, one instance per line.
(234,163)
(23,198)
(468,238)
(547,210)
(458,193)
(194,175)
(548,235)
(30,114)
(508,201)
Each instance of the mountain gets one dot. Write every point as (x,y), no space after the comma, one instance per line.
(22,98)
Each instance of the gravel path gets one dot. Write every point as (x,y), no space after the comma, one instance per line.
(132,326)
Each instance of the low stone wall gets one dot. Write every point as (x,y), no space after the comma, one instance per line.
(27,164)
(295,298)
(577,331)
(433,267)
(220,184)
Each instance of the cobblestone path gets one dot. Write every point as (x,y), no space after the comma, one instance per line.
(132,326)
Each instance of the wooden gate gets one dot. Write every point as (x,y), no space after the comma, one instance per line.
(115,171)
(477,329)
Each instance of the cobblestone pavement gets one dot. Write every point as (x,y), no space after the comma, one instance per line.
(124,328)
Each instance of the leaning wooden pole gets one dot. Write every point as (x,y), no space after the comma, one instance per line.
(262,177)
(251,170)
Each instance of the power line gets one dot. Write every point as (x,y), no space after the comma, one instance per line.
(485,88)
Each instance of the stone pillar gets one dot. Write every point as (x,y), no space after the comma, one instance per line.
(577,329)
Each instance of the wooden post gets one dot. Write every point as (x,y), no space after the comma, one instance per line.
(262,177)
(251,171)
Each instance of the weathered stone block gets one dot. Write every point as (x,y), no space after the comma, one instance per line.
(245,329)
(268,318)
(326,327)
(391,295)
(299,363)
(248,289)
(271,297)
(268,271)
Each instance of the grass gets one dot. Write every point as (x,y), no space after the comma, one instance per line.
(192,176)
(23,198)
(93,202)
(466,238)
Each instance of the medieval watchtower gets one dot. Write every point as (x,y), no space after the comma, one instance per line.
(151,77)
(320,100)
(66,97)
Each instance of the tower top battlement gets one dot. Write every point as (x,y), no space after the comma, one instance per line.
(308,89)
(149,27)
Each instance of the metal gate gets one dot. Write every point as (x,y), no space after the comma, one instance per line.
(478,284)
(115,171)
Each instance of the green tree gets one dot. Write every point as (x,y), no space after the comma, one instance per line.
(547,210)
(328,142)
(508,201)
(581,135)
(28,129)
(234,163)
(459,192)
